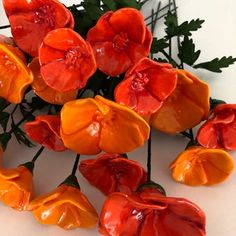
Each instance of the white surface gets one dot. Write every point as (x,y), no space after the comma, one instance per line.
(216,38)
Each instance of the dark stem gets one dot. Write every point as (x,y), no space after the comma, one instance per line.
(191,134)
(171,60)
(38,154)
(170,40)
(75,165)
(149,157)
(178,37)
(156,13)
(186,134)
(21,121)
(5,27)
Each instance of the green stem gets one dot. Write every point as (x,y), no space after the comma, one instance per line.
(38,154)
(171,60)
(75,165)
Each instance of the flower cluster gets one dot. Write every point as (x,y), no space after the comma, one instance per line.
(60,67)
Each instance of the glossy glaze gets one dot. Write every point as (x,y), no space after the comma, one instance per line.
(117,42)
(16,187)
(186,107)
(15,77)
(201,166)
(45,92)
(148,213)
(113,173)
(146,85)
(45,129)
(219,131)
(66,207)
(66,60)
(100,124)
(31,20)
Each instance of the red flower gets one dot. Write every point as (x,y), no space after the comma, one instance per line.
(219,131)
(147,84)
(31,20)
(45,129)
(67,61)
(113,173)
(147,213)
(119,39)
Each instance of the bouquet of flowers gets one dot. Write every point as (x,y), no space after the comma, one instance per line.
(92,78)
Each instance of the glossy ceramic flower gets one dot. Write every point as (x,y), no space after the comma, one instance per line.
(66,60)
(113,173)
(66,207)
(45,129)
(15,77)
(16,187)
(89,126)
(148,213)
(45,92)
(146,85)
(31,20)
(201,166)
(186,107)
(219,131)
(118,42)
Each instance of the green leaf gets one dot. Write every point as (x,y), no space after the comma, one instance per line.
(4,139)
(186,27)
(111,4)
(187,53)
(94,2)
(216,64)
(97,81)
(3,104)
(128,3)
(26,112)
(158,45)
(94,12)
(37,103)
(21,136)
(171,24)
(4,118)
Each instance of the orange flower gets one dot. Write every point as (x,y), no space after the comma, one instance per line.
(66,207)
(117,42)
(45,92)
(66,60)
(89,126)
(31,20)
(147,82)
(186,107)
(200,166)
(16,187)
(14,75)
(45,129)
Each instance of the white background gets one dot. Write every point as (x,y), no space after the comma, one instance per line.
(216,38)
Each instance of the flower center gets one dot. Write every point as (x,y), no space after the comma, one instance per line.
(120,41)
(139,82)
(45,14)
(72,56)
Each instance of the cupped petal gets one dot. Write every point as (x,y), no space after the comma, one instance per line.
(201,166)
(45,129)
(123,21)
(184,108)
(103,31)
(109,60)
(45,92)
(134,131)
(14,76)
